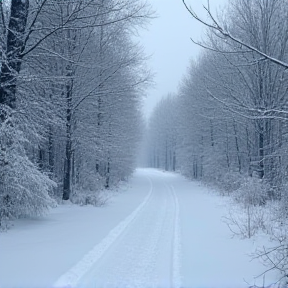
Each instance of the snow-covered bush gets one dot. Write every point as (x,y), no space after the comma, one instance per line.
(248,214)
(90,181)
(24,190)
(276,256)
(95,198)
(283,203)
(247,222)
(214,168)
(230,182)
(253,191)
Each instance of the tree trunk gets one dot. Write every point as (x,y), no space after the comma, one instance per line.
(68,149)
(212,134)
(237,146)
(166,156)
(227,147)
(50,151)
(174,161)
(107,183)
(261,151)
(41,158)
(15,45)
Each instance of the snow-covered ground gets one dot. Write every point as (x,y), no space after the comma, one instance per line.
(163,231)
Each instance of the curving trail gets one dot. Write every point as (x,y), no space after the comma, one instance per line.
(141,251)
(174,238)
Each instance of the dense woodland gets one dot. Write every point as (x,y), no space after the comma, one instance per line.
(228,123)
(71,83)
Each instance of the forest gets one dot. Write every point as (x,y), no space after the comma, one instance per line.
(227,124)
(72,78)
(71,81)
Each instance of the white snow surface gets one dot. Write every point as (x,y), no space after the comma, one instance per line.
(161,231)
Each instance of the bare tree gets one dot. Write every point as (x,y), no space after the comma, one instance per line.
(224,33)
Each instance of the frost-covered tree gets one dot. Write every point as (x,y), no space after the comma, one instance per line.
(162,133)
(221,29)
(23,189)
(252,87)
(55,75)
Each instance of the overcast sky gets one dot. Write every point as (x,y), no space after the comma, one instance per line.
(168,41)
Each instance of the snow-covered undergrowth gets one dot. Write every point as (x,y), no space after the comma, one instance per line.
(24,190)
(96,198)
(253,213)
(35,252)
(38,251)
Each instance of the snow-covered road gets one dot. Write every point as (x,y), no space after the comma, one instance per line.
(164,231)
(142,251)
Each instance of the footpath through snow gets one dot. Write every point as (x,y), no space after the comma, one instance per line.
(163,231)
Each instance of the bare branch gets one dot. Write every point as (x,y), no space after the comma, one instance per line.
(218,28)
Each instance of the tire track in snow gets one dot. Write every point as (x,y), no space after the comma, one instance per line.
(141,257)
(176,250)
(175,264)
(71,277)
(132,261)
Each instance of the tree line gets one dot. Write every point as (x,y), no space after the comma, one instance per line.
(227,124)
(71,80)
